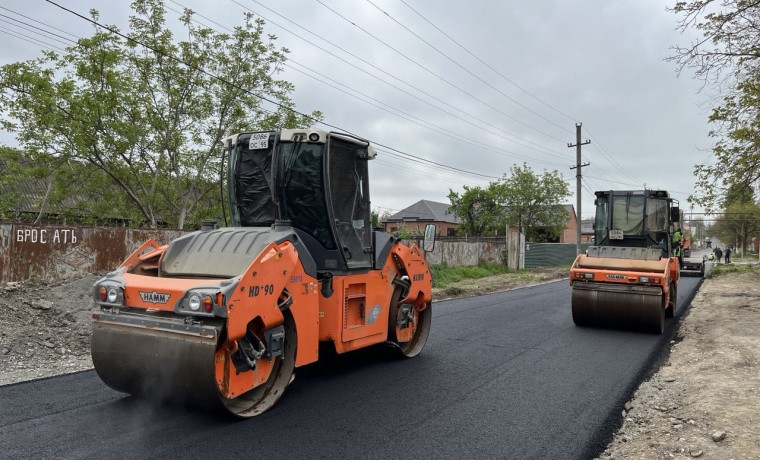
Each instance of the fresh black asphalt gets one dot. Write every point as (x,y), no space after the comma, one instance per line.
(504,375)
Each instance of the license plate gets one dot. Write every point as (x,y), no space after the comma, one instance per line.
(258,141)
(616,234)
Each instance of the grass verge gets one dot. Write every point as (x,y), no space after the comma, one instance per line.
(444,276)
(724,269)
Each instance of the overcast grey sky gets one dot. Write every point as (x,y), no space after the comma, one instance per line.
(477,86)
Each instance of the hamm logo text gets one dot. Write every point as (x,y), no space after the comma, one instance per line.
(154,297)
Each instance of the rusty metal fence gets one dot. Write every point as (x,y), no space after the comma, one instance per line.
(61,252)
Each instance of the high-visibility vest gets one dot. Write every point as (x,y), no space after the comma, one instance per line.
(677,239)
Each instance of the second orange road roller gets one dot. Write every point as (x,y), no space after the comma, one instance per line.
(629,279)
(222,316)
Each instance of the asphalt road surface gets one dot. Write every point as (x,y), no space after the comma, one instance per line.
(505,375)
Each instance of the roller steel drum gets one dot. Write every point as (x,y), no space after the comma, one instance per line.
(168,361)
(638,308)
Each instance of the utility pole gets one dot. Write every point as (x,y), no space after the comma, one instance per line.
(578,176)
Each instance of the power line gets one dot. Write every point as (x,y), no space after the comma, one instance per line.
(31,40)
(403,167)
(34,28)
(605,176)
(590,186)
(426,69)
(610,158)
(32,19)
(616,181)
(487,64)
(392,151)
(414,119)
(448,57)
(178,60)
(56,37)
(587,188)
(397,151)
(383,71)
(418,121)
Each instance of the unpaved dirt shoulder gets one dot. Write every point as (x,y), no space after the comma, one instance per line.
(705,400)
(45,328)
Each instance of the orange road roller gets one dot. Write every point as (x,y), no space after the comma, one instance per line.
(221,317)
(629,279)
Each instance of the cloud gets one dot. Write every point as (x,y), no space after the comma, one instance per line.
(598,62)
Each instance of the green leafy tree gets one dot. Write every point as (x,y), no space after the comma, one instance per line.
(739,193)
(726,57)
(533,202)
(150,113)
(478,210)
(379,218)
(403,232)
(738,225)
(735,170)
(726,50)
(525,200)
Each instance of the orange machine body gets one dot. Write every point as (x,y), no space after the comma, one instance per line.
(650,275)
(630,278)
(355,316)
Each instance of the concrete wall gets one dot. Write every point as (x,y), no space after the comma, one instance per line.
(520,255)
(60,252)
(458,253)
(515,249)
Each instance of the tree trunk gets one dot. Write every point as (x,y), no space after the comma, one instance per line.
(181,218)
(43,205)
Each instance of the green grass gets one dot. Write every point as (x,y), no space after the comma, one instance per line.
(725,269)
(443,275)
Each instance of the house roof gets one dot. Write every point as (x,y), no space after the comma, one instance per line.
(30,196)
(425,210)
(31,193)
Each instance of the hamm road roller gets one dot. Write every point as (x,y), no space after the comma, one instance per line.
(222,316)
(629,279)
